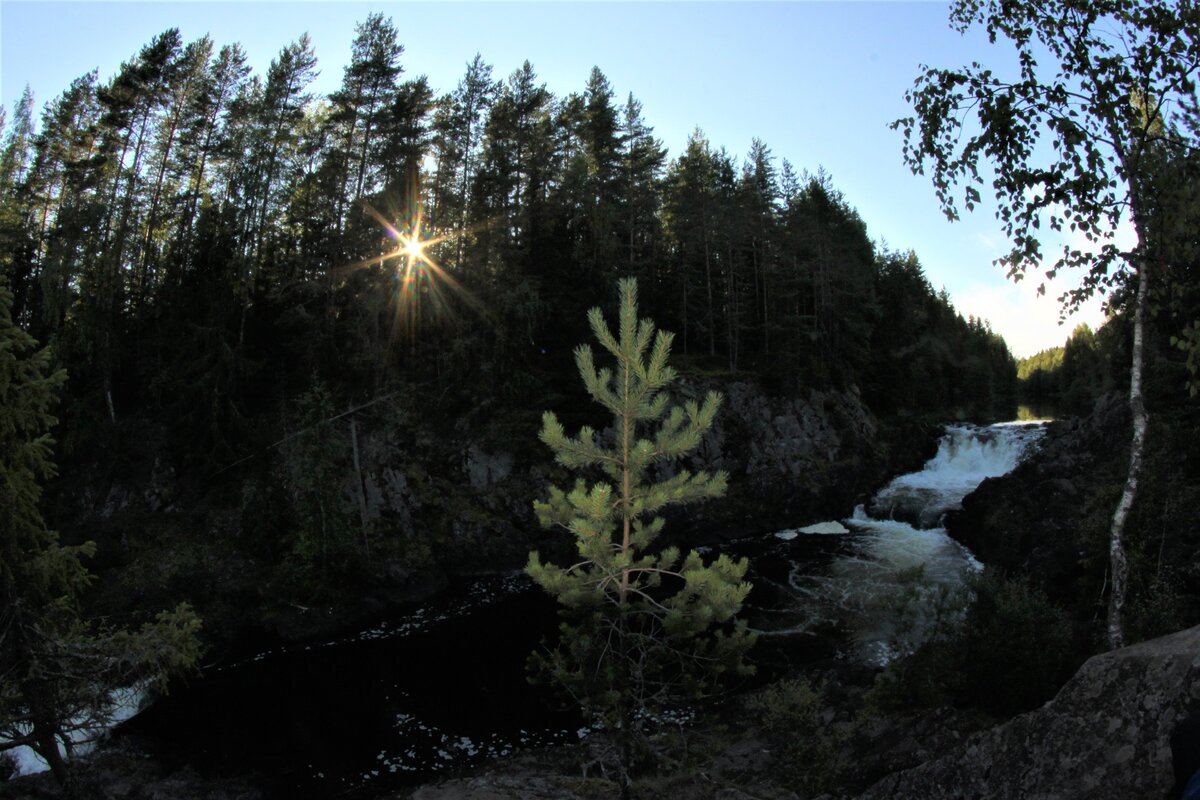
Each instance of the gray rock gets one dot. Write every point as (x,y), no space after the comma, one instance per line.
(484,469)
(825,528)
(1106,735)
(499,787)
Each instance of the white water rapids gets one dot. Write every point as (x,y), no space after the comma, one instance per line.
(897,568)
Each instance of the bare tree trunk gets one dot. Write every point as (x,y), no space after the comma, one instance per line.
(358,482)
(144,278)
(766,320)
(1137,406)
(733,318)
(364,155)
(684,285)
(708,284)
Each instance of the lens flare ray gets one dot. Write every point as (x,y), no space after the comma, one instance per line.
(422,286)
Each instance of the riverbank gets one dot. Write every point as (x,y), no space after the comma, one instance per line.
(789,742)
(818,726)
(226,720)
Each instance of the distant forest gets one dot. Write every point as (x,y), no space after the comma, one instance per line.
(201,246)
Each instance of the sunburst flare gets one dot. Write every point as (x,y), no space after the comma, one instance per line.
(423,287)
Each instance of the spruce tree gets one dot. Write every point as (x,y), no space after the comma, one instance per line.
(57,671)
(642,627)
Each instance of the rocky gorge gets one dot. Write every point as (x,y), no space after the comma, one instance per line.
(442,502)
(1115,712)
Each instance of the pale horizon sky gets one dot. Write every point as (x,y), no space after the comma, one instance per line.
(818,82)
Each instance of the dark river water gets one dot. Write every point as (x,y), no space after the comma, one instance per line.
(444,686)
(440,688)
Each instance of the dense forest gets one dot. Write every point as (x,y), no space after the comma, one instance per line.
(201,245)
(215,256)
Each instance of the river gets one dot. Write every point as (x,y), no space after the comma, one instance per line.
(444,686)
(877,577)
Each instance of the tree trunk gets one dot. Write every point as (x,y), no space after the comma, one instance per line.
(626,687)
(47,748)
(358,481)
(683,283)
(144,280)
(198,180)
(44,735)
(365,153)
(1137,406)
(708,284)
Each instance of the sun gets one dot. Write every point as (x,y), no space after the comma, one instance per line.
(423,289)
(411,257)
(411,247)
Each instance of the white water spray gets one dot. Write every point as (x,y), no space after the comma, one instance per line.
(899,569)
(965,458)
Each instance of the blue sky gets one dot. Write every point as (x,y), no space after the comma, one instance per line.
(817,81)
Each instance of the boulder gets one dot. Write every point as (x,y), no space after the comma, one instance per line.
(1106,735)
(833,527)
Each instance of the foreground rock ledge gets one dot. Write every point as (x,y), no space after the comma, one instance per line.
(1106,735)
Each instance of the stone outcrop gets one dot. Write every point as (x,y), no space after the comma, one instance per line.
(790,459)
(447,500)
(1106,735)
(1035,520)
(1048,520)
(795,458)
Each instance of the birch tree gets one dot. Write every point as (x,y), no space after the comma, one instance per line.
(1069,143)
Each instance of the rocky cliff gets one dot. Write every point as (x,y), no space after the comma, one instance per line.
(440,498)
(1034,521)
(1048,521)
(1105,735)
(791,459)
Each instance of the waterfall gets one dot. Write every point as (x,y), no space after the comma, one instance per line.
(966,456)
(897,571)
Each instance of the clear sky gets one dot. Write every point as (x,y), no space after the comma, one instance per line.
(817,81)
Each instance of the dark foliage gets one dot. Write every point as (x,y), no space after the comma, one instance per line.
(203,247)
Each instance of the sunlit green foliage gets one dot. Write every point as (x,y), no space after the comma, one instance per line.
(644,627)
(1069,378)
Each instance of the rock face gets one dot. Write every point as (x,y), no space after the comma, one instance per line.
(790,458)
(796,458)
(1106,735)
(447,499)
(1036,520)
(1048,520)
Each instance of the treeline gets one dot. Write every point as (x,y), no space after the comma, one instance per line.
(1089,365)
(1067,378)
(202,246)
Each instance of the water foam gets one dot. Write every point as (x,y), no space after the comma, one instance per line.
(967,455)
(900,566)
